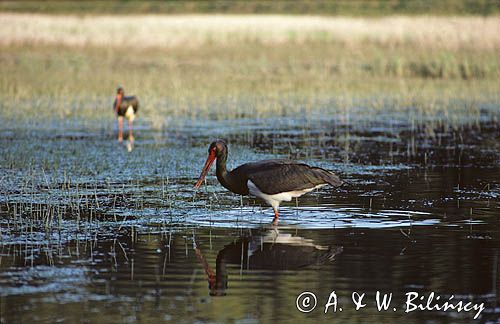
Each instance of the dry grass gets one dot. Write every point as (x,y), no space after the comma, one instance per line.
(197,30)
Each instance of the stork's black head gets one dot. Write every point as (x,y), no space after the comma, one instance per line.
(216,150)
(219,147)
(120,91)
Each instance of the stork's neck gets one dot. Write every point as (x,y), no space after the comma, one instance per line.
(221,171)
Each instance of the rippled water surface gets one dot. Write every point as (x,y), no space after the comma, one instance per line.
(93,232)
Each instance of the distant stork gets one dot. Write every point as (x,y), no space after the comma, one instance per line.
(273,181)
(125,107)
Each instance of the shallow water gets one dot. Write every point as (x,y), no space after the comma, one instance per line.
(258,273)
(120,236)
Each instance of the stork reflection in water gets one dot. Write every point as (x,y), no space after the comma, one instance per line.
(269,250)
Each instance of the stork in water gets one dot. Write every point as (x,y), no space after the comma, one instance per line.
(125,107)
(273,181)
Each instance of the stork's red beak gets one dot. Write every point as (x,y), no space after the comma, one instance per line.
(210,160)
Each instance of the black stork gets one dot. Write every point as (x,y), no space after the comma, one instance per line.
(125,106)
(273,181)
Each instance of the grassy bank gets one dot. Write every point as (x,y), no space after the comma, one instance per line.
(245,81)
(67,69)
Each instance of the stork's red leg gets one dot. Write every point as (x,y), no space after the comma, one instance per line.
(276,216)
(120,129)
(130,126)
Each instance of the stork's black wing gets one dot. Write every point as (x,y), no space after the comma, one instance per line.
(276,176)
(131,101)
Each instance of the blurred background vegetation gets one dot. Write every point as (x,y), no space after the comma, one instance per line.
(321,7)
(399,55)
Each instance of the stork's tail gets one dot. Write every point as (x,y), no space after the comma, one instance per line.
(329,177)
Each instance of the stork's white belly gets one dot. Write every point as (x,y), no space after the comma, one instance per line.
(276,199)
(129,113)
